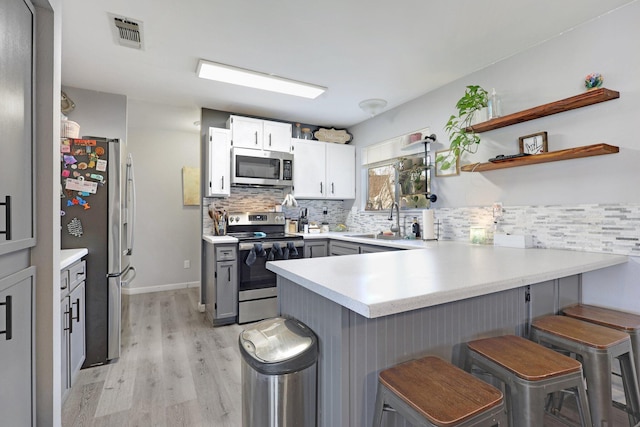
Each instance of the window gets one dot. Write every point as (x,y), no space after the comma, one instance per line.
(404,180)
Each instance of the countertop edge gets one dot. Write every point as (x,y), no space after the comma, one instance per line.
(401,304)
(69,256)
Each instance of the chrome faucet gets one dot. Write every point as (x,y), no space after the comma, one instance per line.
(395,228)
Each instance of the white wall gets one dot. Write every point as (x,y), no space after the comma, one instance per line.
(551,71)
(167,233)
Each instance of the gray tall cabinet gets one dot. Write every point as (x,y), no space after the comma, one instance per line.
(17,277)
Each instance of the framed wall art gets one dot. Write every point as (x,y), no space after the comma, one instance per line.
(535,143)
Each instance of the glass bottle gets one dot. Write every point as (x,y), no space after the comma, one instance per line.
(296,131)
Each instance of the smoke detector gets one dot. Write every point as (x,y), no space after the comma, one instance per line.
(127,31)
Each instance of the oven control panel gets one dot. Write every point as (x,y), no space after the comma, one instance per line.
(256,218)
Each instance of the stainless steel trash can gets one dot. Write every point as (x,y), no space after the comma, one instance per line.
(279,370)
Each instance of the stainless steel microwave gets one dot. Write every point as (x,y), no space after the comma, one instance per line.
(260,167)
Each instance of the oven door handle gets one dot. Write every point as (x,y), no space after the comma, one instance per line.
(269,245)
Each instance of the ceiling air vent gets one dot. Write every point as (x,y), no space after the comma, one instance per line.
(127,31)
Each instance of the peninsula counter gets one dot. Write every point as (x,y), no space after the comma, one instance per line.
(375,310)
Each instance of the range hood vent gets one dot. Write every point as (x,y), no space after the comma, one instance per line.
(127,31)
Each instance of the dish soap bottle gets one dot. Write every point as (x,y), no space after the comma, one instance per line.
(415,228)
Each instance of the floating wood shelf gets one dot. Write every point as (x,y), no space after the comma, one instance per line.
(554,156)
(590,97)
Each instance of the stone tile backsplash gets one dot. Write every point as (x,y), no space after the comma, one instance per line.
(611,228)
(244,199)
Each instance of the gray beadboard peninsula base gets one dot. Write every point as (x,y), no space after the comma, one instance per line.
(353,348)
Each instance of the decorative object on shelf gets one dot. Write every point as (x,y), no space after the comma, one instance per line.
(494,106)
(297,133)
(593,81)
(458,127)
(373,106)
(449,166)
(332,135)
(536,143)
(306,133)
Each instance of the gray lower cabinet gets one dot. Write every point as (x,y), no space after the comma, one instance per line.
(221,281)
(338,247)
(316,248)
(72,319)
(17,356)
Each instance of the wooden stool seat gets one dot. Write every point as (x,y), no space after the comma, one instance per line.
(615,319)
(628,323)
(529,372)
(438,392)
(582,332)
(524,358)
(597,347)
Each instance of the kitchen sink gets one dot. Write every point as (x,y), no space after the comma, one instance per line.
(376,236)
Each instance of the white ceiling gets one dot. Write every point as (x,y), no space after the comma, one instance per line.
(359,49)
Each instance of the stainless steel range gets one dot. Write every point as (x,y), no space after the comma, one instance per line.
(261,238)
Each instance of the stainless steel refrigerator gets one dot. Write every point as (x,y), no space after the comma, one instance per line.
(97,196)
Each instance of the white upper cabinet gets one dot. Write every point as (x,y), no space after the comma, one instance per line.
(341,178)
(218,163)
(260,134)
(323,170)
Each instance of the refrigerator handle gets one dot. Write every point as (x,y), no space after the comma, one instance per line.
(125,281)
(130,197)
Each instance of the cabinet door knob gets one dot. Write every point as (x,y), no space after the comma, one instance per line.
(8,331)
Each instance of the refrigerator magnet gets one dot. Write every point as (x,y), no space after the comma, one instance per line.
(75,227)
(101,165)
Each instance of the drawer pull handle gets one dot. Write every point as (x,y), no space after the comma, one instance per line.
(8,332)
(7,217)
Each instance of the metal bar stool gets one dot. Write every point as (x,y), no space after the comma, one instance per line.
(595,346)
(432,392)
(625,322)
(529,373)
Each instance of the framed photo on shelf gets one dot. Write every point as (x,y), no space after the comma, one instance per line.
(535,143)
(452,170)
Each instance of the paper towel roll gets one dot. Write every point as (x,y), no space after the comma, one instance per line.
(428,232)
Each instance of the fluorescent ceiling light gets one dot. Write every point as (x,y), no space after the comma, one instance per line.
(238,76)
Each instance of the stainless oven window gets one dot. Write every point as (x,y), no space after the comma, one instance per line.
(257,167)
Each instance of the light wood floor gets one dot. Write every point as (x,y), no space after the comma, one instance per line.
(175,370)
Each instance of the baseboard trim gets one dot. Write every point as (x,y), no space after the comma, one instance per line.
(159,288)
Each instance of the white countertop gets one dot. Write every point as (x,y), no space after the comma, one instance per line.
(218,239)
(385,283)
(69,256)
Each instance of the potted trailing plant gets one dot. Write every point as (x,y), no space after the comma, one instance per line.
(474,99)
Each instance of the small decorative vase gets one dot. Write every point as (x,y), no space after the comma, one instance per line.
(593,81)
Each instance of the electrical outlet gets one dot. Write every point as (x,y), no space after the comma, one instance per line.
(187,263)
